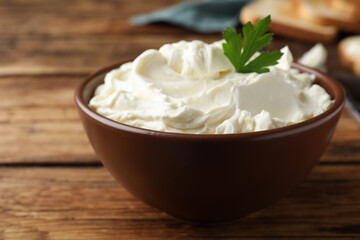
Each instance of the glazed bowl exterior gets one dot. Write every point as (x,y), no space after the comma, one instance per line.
(209,179)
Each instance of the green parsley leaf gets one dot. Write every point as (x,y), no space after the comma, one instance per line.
(255,38)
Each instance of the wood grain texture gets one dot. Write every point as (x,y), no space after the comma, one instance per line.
(68,17)
(78,37)
(38,121)
(86,203)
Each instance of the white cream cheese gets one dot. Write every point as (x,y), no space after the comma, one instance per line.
(315,57)
(353,48)
(191,87)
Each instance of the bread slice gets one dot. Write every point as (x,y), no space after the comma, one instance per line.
(285,22)
(349,7)
(349,52)
(320,12)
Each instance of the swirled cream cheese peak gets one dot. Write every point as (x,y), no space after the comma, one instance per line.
(191,87)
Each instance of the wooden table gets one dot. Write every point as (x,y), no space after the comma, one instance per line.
(52,186)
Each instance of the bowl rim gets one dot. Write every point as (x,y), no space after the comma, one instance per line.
(339,102)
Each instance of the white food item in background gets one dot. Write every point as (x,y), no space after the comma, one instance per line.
(315,57)
(349,52)
(191,87)
(353,48)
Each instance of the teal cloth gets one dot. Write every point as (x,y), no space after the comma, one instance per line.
(201,16)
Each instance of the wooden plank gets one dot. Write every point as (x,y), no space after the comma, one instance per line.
(72,37)
(38,123)
(79,17)
(345,144)
(78,37)
(86,203)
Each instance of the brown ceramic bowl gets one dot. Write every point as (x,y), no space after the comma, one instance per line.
(209,179)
